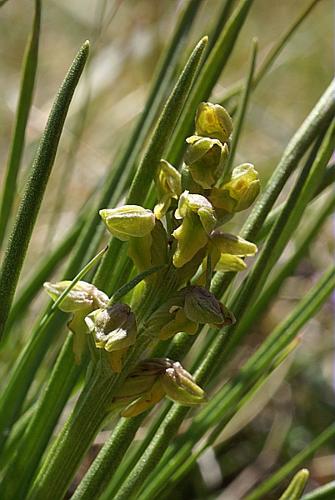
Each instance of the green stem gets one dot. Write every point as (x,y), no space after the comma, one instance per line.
(79,431)
(29,68)
(35,187)
(108,460)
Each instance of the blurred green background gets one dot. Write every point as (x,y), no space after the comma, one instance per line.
(127,38)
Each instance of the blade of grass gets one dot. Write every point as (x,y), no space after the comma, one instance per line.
(281,232)
(35,187)
(322,112)
(301,458)
(269,293)
(242,107)
(42,273)
(29,67)
(272,55)
(325,492)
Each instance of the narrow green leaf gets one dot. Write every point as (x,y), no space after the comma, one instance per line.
(242,107)
(35,187)
(29,67)
(257,308)
(302,139)
(325,492)
(271,57)
(42,273)
(259,492)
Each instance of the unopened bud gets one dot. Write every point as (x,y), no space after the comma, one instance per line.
(212,120)
(80,301)
(201,306)
(168,185)
(205,159)
(82,296)
(181,387)
(239,192)
(142,388)
(297,486)
(113,328)
(235,245)
(128,221)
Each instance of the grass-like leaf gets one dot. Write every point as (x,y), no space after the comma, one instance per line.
(36,184)
(29,68)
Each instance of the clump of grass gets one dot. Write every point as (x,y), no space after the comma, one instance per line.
(165,282)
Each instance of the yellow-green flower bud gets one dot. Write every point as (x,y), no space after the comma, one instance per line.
(297,486)
(235,245)
(170,319)
(212,120)
(83,296)
(113,328)
(198,222)
(239,192)
(205,159)
(228,262)
(145,402)
(142,388)
(201,306)
(168,185)
(179,323)
(80,301)
(128,221)
(180,386)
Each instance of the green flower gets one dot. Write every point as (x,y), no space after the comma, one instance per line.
(199,220)
(239,192)
(201,306)
(180,386)
(205,159)
(235,245)
(168,185)
(80,301)
(113,328)
(128,221)
(212,120)
(153,379)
